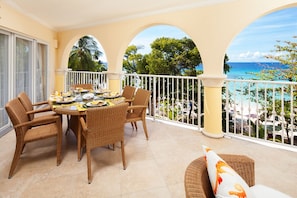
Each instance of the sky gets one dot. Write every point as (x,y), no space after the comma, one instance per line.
(250,45)
(147,36)
(259,38)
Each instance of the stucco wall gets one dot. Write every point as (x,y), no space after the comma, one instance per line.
(12,20)
(212,28)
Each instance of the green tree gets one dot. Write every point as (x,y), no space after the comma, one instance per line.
(84,55)
(132,59)
(286,54)
(172,56)
(169,56)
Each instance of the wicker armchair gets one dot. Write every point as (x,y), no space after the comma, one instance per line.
(128,93)
(196,180)
(31,130)
(104,126)
(137,111)
(30,107)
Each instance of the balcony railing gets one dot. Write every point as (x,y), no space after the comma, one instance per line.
(256,110)
(265,110)
(98,79)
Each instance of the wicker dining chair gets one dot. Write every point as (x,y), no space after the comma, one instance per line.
(31,108)
(83,86)
(137,110)
(32,130)
(196,180)
(128,93)
(103,126)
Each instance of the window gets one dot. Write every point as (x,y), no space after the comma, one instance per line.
(41,71)
(23,67)
(4,49)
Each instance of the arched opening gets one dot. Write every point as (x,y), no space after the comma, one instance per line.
(264,50)
(162,49)
(157,59)
(87,54)
(250,50)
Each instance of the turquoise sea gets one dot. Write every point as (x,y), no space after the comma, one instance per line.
(245,70)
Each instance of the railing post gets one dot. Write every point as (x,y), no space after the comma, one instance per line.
(154,96)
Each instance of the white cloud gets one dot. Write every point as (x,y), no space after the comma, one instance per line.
(251,56)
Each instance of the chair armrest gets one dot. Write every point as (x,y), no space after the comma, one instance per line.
(196,180)
(40,121)
(40,103)
(39,110)
(129,100)
(134,107)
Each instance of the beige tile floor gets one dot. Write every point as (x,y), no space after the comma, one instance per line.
(155,168)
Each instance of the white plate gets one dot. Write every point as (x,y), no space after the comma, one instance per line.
(96,103)
(88,96)
(65,101)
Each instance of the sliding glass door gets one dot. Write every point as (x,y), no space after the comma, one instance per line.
(23,67)
(4,85)
(41,71)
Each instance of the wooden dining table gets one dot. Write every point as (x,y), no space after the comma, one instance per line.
(74,109)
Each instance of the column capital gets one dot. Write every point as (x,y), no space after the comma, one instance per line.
(212,80)
(114,75)
(61,71)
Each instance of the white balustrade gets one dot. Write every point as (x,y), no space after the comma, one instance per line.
(257,110)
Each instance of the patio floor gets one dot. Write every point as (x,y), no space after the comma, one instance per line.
(155,168)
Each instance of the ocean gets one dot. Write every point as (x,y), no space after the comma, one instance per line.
(245,70)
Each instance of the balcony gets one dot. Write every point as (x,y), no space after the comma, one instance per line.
(155,168)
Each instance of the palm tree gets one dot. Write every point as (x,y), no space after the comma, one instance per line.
(84,55)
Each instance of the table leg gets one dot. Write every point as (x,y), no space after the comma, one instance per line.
(76,128)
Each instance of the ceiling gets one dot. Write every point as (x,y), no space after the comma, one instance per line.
(69,14)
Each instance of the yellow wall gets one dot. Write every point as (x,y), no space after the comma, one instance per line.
(12,20)
(211,27)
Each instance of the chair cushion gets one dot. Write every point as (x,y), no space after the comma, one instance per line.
(224,180)
(260,191)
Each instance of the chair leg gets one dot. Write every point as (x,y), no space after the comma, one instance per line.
(59,148)
(123,155)
(135,125)
(23,147)
(17,153)
(132,125)
(89,165)
(144,128)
